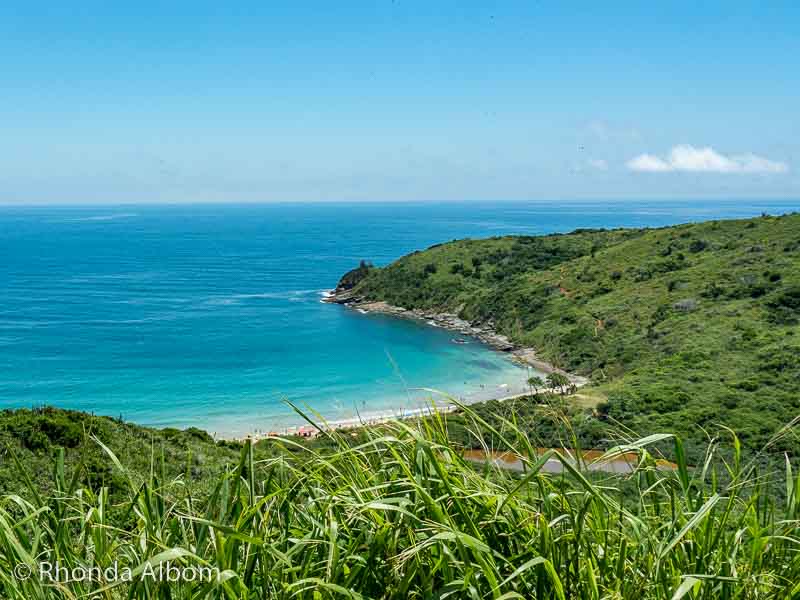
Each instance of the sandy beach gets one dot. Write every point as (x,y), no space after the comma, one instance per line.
(377,418)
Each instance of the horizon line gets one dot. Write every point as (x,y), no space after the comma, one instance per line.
(592,199)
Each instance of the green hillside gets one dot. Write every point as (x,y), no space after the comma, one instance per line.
(32,438)
(682,328)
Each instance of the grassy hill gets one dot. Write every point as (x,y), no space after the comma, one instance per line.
(33,438)
(681,329)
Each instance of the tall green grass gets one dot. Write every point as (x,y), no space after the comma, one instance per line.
(400,514)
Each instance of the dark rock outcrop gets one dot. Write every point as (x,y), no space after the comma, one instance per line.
(352,278)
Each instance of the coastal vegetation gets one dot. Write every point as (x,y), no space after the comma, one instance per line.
(679,329)
(31,439)
(396,512)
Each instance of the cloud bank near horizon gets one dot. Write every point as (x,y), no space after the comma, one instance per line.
(691,159)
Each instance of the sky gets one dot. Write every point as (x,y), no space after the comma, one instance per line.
(106,102)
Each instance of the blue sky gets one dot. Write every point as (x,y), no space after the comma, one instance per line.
(432,100)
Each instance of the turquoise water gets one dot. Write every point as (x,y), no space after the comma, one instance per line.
(210,315)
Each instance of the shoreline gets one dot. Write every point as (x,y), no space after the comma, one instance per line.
(522,356)
(377,418)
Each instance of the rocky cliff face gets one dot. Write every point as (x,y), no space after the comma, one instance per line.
(352,278)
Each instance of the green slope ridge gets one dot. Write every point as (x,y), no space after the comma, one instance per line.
(681,328)
(33,437)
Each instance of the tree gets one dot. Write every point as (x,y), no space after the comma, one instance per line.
(558,381)
(535,383)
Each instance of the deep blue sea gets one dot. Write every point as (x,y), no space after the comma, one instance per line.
(210,315)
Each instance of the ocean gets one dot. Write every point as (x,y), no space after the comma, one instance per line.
(210,315)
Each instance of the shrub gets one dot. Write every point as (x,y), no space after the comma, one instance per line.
(784,308)
(686,305)
(698,246)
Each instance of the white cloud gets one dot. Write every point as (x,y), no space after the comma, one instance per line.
(649,163)
(704,160)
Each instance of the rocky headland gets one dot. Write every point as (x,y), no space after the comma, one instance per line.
(344,295)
